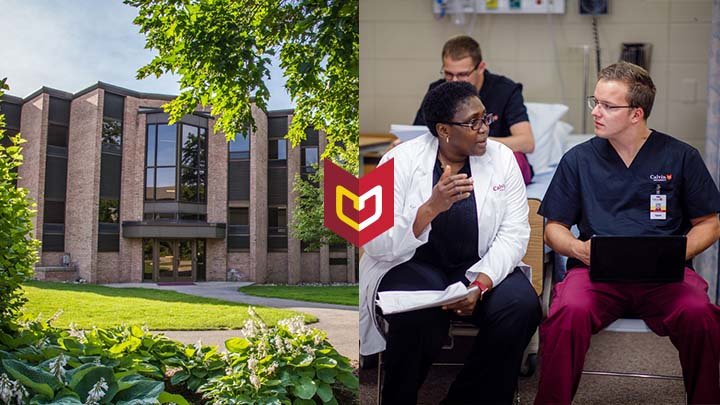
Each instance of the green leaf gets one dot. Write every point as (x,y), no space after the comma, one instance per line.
(166,397)
(349,380)
(325,362)
(301,401)
(86,376)
(179,377)
(327,375)
(324,391)
(305,388)
(143,392)
(237,345)
(34,378)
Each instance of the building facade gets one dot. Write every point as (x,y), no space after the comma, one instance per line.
(122,196)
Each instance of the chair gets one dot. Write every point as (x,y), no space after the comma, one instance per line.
(629,325)
(534,257)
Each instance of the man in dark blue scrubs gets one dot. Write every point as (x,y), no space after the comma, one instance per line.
(462,61)
(629,180)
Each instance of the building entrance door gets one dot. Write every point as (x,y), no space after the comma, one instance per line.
(172,260)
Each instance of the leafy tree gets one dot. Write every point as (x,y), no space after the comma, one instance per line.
(220,49)
(18,250)
(307,224)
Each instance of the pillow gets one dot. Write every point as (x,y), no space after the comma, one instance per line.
(548,143)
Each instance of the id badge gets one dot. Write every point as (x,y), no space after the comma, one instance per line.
(658,206)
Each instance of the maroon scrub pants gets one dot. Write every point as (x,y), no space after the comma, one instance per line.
(582,308)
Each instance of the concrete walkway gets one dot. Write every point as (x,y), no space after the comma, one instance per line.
(339,321)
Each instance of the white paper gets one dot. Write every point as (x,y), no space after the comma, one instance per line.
(408,132)
(393,302)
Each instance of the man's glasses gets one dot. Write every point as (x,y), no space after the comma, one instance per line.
(462,76)
(592,102)
(476,124)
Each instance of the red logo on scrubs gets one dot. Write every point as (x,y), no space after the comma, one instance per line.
(358,210)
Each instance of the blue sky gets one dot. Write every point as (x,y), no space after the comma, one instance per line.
(72,44)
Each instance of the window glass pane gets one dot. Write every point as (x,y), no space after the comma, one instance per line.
(112,131)
(309,157)
(150,184)
(190,146)
(59,110)
(109,211)
(54,212)
(166,145)
(147,259)
(202,182)
(151,145)
(240,147)
(282,149)
(202,147)
(282,217)
(239,216)
(165,183)
(277,149)
(113,106)
(189,184)
(57,135)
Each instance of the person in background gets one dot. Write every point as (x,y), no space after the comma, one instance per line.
(461,214)
(462,61)
(606,186)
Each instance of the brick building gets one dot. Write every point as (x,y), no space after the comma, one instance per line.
(123,196)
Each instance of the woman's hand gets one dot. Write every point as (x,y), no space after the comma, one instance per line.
(465,306)
(449,189)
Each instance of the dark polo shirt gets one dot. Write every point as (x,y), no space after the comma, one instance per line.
(500,96)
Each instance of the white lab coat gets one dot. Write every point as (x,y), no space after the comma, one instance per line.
(502,211)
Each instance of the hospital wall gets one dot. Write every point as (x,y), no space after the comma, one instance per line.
(400,44)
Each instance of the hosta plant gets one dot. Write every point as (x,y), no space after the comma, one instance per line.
(289,363)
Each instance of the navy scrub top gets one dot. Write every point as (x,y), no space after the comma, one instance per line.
(594,189)
(500,96)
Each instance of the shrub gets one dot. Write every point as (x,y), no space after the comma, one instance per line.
(283,364)
(18,250)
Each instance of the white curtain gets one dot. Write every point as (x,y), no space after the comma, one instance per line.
(708,263)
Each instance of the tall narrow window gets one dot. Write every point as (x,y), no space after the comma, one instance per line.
(110,169)
(56,175)
(239,168)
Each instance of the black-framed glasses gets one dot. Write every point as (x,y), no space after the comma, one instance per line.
(476,123)
(462,76)
(592,102)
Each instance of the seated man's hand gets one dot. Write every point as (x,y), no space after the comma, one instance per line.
(465,306)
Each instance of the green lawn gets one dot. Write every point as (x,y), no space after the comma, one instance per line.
(92,305)
(343,295)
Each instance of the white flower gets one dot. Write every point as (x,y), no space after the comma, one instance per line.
(10,390)
(252,364)
(97,392)
(6,389)
(20,393)
(273,367)
(255,381)
(55,317)
(57,366)
(294,325)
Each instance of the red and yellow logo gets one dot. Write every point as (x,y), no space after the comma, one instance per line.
(359,209)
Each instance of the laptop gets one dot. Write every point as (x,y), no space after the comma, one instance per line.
(637,259)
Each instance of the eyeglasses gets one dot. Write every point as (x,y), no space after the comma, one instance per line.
(592,102)
(462,76)
(476,124)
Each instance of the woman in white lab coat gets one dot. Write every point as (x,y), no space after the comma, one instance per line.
(461,214)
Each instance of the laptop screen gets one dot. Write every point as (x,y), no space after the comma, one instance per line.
(643,259)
